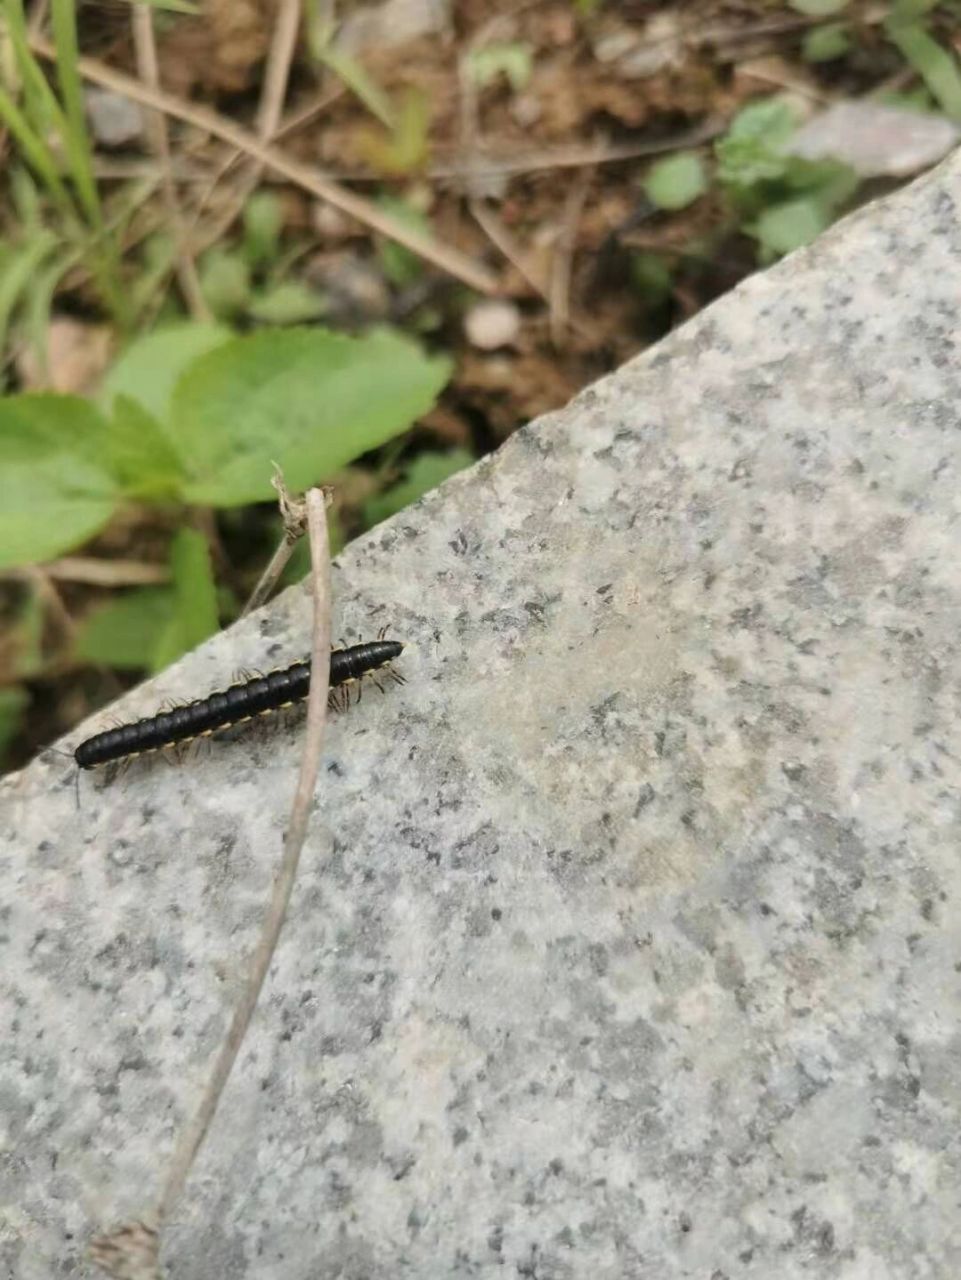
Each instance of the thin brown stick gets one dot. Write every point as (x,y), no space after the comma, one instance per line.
(107,573)
(131,1252)
(294,518)
(293,122)
(272,96)
(293,844)
(145,45)
(576,156)
(562,265)
(505,243)
(442,256)
(277,72)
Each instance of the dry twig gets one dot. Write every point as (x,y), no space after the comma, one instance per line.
(442,256)
(106,573)
(295,526)
(562,264)
(145,45)
(131,1252)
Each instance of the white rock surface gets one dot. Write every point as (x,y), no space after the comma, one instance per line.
(627,939)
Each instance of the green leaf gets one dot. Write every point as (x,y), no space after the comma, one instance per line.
(195,614)
(149,368)
(141,454)
(309,399)
(758,172)
(825,43)
(917,99)
(18,270)
(263,223)
(769,120)
(123,633)
(788,226)
(400,266)
(652,275)
(676,181)
(424,474)
(225,282)
(13,703)
(26,637)
(936,67)
(55,489)
(513,61)
(831,181)
(290,302)
(406,144)
(752,150)
(819,8)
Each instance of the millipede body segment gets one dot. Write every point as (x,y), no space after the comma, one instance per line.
(232,706)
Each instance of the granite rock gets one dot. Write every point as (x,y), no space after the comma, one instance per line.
(626,942)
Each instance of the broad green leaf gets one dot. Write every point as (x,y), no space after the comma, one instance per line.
(290,302)
(225,282)
(195,612)
(13,703)
(263,223)
(141,454)
(149,368)
(123,633)
(424,474)
(676,181)
(936,66)
(825,43)
(309,399)
(55,489)
(790,225)
(819,8)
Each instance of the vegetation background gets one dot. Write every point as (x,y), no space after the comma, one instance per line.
(367,243)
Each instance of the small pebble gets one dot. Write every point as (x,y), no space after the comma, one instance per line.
(114,120)
(492,324)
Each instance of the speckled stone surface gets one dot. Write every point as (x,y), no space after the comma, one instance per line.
(627,940)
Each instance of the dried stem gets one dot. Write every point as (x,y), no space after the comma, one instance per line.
(293,844)
(442,256)
(131,1252)
(295,525)
(141,18)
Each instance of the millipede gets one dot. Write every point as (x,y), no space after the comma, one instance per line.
(258,696)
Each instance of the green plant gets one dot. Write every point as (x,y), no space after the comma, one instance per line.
(195,415)
(191,416)
(937,67)
(41,124)
(783,200)
(513,61)
(676,181)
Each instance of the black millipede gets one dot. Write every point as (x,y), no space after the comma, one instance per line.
(255,697)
